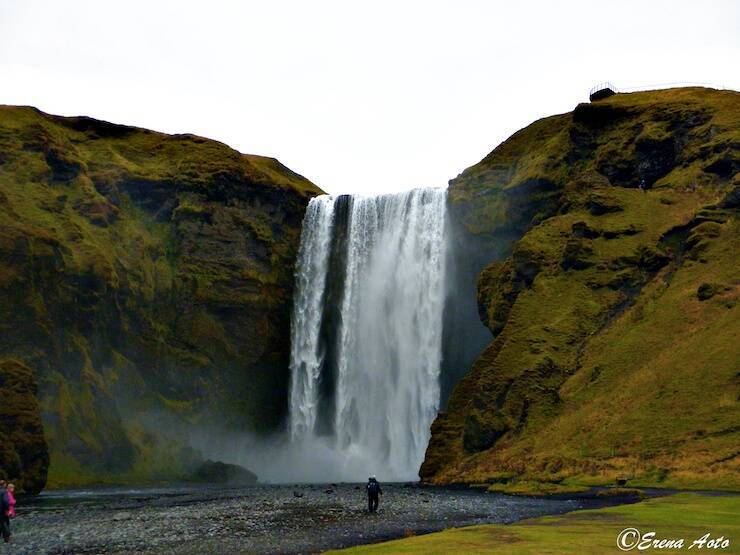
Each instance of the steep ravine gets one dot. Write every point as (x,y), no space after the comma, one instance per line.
(611,235)
(146,282)
(145,285)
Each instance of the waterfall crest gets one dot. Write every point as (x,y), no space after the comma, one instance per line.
(367,330)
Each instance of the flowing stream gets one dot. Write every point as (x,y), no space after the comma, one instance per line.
(367,330)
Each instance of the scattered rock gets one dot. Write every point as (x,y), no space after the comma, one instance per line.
(224,473)
(577,254)
(707,290)
(583,230)
(599,204)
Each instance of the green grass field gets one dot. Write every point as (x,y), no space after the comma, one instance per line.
(686,515)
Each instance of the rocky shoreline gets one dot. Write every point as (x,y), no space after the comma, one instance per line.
(259,519)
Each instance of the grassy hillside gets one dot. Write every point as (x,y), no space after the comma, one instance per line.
(614,311)
(145,279)
(686,516)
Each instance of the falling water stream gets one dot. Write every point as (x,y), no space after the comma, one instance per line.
(367,330)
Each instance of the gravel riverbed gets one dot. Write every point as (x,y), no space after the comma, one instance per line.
(257,519)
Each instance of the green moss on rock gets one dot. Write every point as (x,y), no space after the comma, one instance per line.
(144,278)
(614,350)
(24,458)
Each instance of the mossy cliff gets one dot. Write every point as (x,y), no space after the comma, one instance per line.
(23,452)
(145,281)
(614,307)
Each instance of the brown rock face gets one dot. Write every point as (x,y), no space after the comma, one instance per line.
(24,458)
(146,279)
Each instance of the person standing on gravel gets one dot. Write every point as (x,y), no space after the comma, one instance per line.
(7,509)
(3,505)
(373,490)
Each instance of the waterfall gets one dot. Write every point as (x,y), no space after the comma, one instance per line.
(307,311)
(367,330)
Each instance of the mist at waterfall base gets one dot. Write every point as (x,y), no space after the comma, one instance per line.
(378,318)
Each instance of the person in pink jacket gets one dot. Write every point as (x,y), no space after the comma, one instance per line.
(8,511)
(11,500)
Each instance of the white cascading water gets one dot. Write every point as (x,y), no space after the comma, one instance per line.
(386,344)
(305,356)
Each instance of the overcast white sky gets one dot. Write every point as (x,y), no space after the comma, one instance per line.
(357,96)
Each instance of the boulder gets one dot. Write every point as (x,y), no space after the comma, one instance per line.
(218,472)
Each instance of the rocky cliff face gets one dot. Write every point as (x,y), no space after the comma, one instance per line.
(145,280)
(24,457)
(611,236)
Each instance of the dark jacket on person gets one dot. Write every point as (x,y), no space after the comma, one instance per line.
(5,506)
(373,488)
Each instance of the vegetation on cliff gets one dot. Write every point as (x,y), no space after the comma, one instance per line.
(24,456)
(614,311)
(145,279)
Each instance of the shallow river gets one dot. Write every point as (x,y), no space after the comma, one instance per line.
(256,519)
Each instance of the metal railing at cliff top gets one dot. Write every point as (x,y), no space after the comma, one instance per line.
(602,86)
(608,85)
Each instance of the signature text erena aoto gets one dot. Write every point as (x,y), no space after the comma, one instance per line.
(631,538)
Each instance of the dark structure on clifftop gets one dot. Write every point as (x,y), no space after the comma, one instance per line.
(601,91)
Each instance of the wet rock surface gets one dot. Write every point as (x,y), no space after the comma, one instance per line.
(257,519)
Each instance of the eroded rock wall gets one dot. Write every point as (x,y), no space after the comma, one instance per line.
(612,303)
(146,281)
